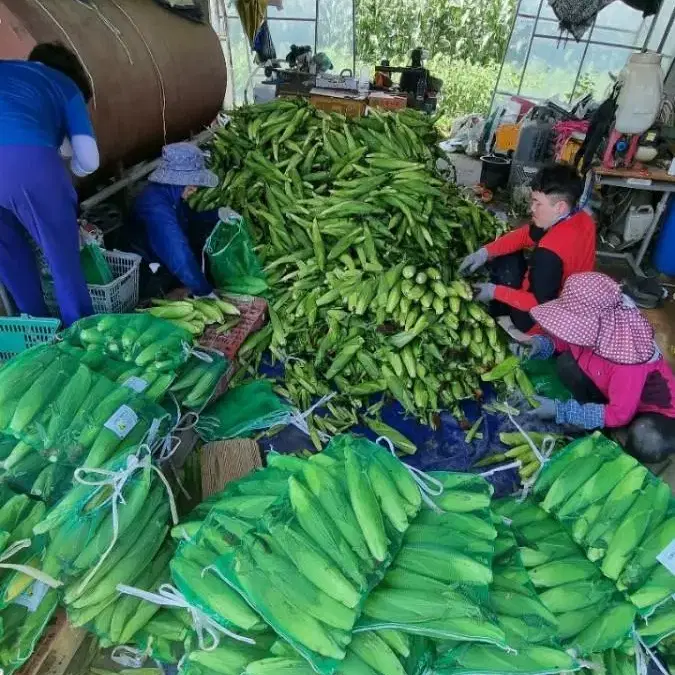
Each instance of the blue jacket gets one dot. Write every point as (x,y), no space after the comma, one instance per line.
(171,231)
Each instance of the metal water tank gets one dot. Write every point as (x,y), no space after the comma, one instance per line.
(157,77)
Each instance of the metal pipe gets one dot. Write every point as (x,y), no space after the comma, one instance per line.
(529,49)
(501,65)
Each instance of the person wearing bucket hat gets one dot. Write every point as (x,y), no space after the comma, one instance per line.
(167,230)
(559,242)
(610,363)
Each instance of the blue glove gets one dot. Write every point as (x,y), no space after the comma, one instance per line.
(484,292)
(546,409)
(537,347)
(523,350)
(473,262)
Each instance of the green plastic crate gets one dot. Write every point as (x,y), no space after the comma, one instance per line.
(20,333)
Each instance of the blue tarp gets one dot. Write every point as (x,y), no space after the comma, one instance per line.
(442,449)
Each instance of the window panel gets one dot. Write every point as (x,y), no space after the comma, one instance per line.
(620,24)
(552,69)
(335,32)
(600,61)
(548,27)
(661,19)
(529,6)
(241,61)
(514,60)
(294,9)
(286,32)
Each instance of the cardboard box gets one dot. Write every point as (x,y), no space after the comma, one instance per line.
(346,104)
(225,461)
(387,101)
(55,649)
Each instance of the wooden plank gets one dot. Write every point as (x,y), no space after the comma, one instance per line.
(56,648)
(225,461)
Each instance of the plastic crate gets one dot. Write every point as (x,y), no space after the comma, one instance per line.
(252,319)
(117,297)
(20,333)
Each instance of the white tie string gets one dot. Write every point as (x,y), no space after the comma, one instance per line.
(428,485)
(116,480)
(38,575)
(169,596)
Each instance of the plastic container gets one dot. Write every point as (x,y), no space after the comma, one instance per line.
(640,96)
(20,333)
(663,257)
(495,171)
(252,319)
(117,297)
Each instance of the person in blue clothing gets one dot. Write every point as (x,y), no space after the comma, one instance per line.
(171,231)
(43,118)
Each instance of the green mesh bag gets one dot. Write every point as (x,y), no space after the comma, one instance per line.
(543,375)
(233,263)
(437,585)
(23,625)
(95,266)
(246,408)
(296,553)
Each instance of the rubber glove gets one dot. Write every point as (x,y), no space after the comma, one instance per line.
(473,262)
(484,292)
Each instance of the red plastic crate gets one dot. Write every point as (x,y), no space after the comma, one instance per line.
(252,319)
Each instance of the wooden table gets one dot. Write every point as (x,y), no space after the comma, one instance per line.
(648,178)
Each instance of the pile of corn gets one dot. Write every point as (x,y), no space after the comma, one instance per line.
(359,240)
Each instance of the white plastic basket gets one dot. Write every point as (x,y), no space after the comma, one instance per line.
(117,297)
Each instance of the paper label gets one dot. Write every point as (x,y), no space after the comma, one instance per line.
(137,384)
(32,598)
(667,557)
(122,421)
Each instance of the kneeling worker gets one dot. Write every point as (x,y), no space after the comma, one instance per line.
(610,363)
(562,242)
(172,233)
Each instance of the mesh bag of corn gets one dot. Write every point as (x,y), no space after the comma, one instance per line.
(23,625)
(246,408)
(314,552)
(27,595)
(145,345)
(230,657)
(120,616)
(659,625)
(438,582)
(64,413)
(233,263)
(197,380)
(112,518)
(622,516)
(372,653)
(591,614)
(520,613)
(167,637)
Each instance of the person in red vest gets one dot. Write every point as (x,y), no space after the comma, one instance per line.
(559,242)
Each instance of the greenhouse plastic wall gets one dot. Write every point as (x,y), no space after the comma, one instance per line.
(540,63)
(325,25)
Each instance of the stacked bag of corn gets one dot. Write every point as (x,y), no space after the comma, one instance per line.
(299,546)
(529,627)
(27,601)
(621,516)
(63,415)
(437,585)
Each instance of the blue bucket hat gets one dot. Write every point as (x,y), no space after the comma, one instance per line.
(183,164)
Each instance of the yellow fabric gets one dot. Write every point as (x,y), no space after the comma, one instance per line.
(252,14)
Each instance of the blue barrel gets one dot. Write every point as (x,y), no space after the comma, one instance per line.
(664,250)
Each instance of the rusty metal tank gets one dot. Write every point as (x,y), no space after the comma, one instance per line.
(157,77)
